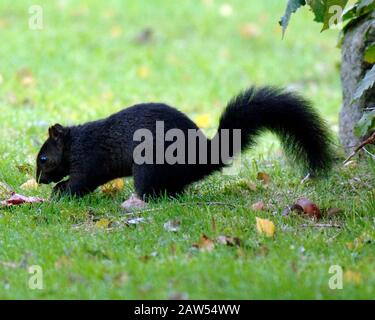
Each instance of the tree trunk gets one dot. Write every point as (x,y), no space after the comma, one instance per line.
(353,70)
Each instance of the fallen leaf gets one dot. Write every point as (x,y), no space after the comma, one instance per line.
(116,31)
(143,72)
(25,77)
(353,277)
(309,208)
(258,206)
(135,220)
(228,240)
(16,199)
(102,223)
(204,244)
(203,120)
(172,225)
(264,177)
(113,187)
(265,226)
(29,184)
(133,204)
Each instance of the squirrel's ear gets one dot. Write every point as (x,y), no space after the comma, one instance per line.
(56,132)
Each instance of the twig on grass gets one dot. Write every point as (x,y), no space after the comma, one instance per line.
(369,140)
(321,225)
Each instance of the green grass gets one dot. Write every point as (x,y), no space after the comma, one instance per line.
(85,65)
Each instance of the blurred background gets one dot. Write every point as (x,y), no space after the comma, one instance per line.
(92,58)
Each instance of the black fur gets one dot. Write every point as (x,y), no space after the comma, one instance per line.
(97,152)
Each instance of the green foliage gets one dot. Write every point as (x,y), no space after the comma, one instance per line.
(370,53)
(365,84)
(365,124)
(327,12)
(291,7)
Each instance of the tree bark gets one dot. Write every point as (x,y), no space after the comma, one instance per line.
(353,70)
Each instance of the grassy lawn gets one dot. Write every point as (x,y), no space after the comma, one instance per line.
(94,58)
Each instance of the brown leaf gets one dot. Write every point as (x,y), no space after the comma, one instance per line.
(204,244)
(264,177)
(309,208)
(16,199)
(25,77)
(133,204)
(258,206)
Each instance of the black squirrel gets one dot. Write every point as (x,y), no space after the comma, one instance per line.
(97,152)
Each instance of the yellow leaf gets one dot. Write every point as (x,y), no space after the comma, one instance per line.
(29,184)
(143,72)
(113,186)
(353,277)
(116,31)
(265,227)
(102,223)
(203,120)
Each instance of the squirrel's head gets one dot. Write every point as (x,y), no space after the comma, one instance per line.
(51,164)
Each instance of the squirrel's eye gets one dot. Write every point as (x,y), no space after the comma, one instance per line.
(43,159)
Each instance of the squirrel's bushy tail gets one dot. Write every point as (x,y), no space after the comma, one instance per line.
(303,134)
